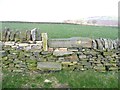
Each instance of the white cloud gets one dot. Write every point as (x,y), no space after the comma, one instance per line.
(55,10)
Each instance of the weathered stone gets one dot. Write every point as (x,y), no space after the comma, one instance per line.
(66,62)
(44,40)
(36,46)
(72,58)
(12,37)
(50,49)
(62,53)
(106,43)
(9,43)
(113,68)
(45,52)
(49,66)
(100,69)
(84,62)
(94,44)
(82,56)
(17,36)
(115,44)
(99,44)
(18,71)
(103,43)
(107,53)
(70,42)
(73,49)
(3,53)
(28,35)
(99,65)
(62,49)
(41,59)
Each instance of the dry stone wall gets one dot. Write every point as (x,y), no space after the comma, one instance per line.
(21,60)
(44,54)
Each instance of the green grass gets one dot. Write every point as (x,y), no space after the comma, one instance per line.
(67,30)
(86,79)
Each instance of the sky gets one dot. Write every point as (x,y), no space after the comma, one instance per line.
(55,10)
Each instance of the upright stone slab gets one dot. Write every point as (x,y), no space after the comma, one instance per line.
(106,43)
(8,35)
(44,40)
(28,35)
(17,36)
(99,44)
(38,35)
(12,36)
(94,44)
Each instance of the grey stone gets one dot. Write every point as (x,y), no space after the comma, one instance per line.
(82,56)
(60,59)
(62,53)
(73,49)
(103,43)
(18,71)
(28,35)
(33,34)
(45,39)
(49,66)
(94,44)
(3,53)
(106,43)
(45,52)
(99,44)
(70,42)
(109,44)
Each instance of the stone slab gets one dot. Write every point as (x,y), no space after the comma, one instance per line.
(62,53)
(70,42)
(49,66)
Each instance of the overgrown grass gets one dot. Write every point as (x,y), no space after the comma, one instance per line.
(86,79)
(67,30)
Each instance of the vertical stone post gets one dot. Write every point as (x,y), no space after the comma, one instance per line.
(44,40)
(1,58)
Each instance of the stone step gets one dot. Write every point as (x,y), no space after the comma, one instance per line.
(49,66)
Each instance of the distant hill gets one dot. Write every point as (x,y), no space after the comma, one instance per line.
(97,20)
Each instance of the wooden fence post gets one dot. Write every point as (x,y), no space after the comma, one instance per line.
(44,40)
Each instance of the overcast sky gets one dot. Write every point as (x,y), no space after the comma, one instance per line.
(55,10)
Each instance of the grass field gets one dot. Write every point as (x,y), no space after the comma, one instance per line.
(86,79)
(67,30)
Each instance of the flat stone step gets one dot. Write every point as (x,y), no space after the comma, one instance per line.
(49,66)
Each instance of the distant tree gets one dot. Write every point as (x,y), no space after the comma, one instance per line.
(94,21)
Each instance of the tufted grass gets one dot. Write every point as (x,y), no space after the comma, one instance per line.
(85,79)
